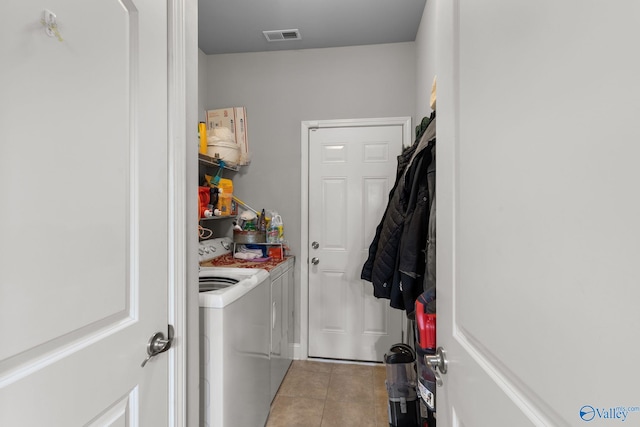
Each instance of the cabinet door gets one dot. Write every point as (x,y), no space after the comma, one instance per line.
(276,316)
(287,336)
(276,335)
(284,313)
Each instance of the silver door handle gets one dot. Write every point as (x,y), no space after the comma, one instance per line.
(158,344)
(438,362)
(315,261)
(315,245)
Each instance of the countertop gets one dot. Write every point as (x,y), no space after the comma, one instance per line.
(229,261)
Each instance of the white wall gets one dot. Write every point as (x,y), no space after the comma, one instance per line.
(202,84)
(425,60)
(281,89)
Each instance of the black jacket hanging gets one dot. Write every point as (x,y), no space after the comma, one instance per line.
(382,266)
(411,253)
(403,160)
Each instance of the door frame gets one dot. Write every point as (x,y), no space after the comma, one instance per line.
(182,161)
(302,352)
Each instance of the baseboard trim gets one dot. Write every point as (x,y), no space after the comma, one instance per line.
(296,350)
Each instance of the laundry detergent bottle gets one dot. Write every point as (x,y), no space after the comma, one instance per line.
(276,229)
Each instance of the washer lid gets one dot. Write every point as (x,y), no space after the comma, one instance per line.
(216,283)
(248,278)
(231,272)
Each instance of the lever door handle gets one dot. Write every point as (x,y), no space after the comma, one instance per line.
(438,361)
(158,344)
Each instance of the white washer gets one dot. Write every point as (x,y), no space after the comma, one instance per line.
(234,344)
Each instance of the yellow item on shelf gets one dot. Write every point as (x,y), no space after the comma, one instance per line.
(202,130)
(225,196)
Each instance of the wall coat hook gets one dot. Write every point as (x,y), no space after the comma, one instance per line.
(50,24)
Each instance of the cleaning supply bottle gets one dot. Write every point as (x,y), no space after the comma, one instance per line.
(203,200)
(276,221)
(277,228)
(262,222)
(272,230)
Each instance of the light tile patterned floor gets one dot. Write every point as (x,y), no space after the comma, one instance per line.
(323,394)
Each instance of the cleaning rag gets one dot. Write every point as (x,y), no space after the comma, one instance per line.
(245,253)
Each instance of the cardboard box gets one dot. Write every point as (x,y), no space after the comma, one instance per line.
(234,118)
(242,138)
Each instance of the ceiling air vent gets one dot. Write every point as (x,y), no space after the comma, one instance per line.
(282,35)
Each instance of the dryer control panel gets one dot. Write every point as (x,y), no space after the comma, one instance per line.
(212,248)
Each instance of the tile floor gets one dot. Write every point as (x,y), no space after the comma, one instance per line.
(324,394)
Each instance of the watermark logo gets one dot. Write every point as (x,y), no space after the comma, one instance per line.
(587,413)
(614,413)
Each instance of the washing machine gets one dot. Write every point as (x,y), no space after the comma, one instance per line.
(234,343)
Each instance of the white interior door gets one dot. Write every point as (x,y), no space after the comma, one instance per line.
(351,171)
(83,184)
(538,214)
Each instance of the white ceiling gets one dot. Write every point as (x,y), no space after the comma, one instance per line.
(232,26)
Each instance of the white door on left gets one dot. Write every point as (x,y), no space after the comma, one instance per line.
(83,224)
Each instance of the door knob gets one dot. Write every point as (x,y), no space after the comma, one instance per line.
(315,261)
(158,344)
(315,245)
(438,362)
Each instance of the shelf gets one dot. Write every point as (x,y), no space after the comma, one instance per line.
(212,161)
(265,244)
(219,217)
